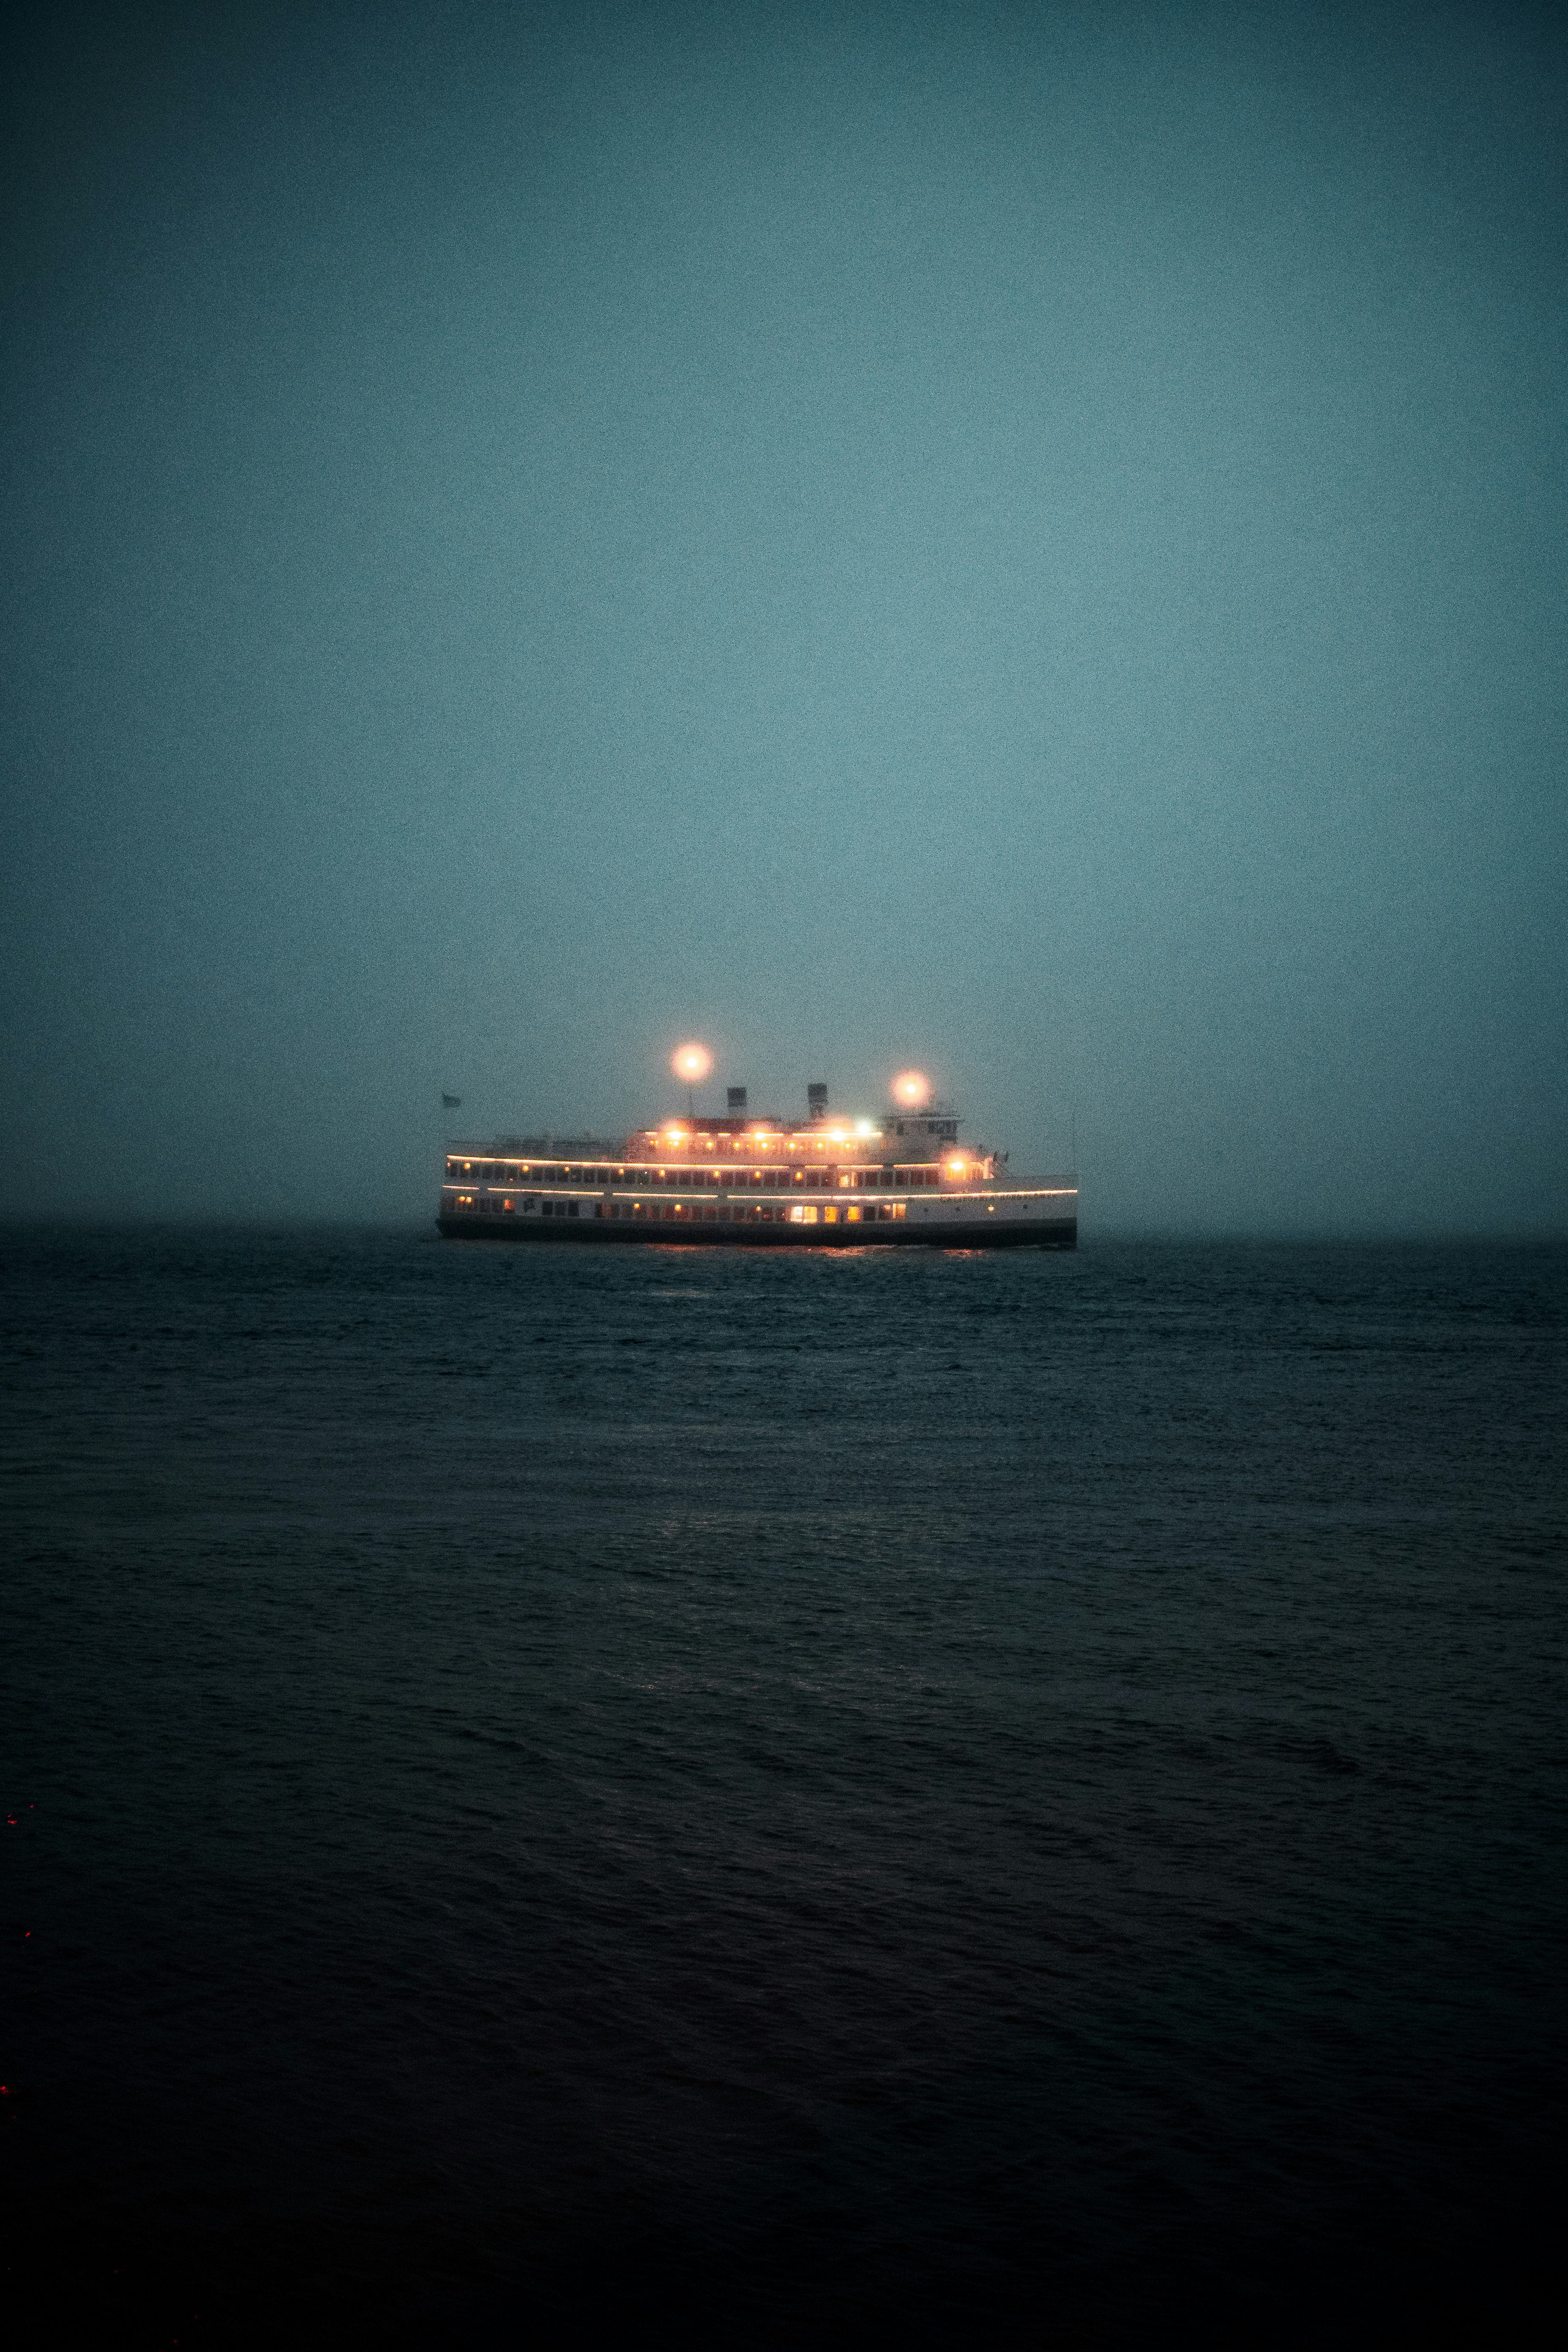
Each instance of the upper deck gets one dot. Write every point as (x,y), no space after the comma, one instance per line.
(760,1155)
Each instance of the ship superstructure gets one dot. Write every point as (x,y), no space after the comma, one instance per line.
(821,1182)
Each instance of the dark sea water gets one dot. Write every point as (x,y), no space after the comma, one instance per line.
(787,1796)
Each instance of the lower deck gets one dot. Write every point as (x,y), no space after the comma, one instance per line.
(1047,1219)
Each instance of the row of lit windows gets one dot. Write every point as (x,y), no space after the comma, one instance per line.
(700,1180)
(695,1214)
(803,1213)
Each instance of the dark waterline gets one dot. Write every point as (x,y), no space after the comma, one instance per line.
(782,1791)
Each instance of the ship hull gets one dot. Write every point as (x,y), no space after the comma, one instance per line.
(961,1232)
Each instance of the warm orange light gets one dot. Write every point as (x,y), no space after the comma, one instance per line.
(691,1063)
(955,1167)
(913,1088)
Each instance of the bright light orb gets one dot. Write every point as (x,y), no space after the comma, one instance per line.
(913,1088)
(691,1063)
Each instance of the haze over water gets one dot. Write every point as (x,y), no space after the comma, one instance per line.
(1024,540)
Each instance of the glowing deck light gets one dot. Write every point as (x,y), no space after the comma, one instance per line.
(691,1062)
(913,1088)
(863,1126)
(957,1167)
(837,1135)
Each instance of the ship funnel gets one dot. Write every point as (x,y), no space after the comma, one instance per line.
(736,1097)
(817,1100)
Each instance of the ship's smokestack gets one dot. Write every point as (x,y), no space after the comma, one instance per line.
(816,1101)
(736,1097)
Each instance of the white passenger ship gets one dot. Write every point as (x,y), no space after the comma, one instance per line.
(818,1182)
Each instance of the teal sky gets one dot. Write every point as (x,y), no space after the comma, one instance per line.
(1028,541)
